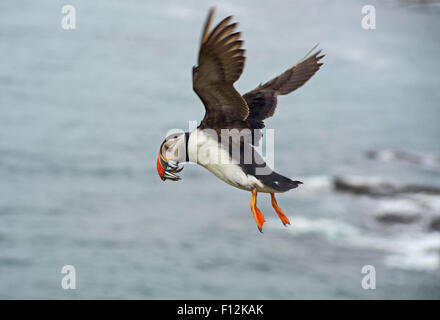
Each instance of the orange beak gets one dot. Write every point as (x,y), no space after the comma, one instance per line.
(161,166)
(167,169)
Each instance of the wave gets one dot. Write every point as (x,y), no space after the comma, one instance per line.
(330,228)
(377,187)
(425,161)
(409,251)
(404,204)
(317,183)
(408,217)
(397,211)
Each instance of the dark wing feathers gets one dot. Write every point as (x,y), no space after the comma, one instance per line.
(262,101)
(220,64)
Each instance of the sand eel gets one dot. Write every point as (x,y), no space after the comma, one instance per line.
(232,121)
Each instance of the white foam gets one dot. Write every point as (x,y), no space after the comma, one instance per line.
(416,251)
(386,155)
(330,228)
(421,252)
(317,183)
(400,205)
(424,160)
(359,181)
(409,251)
(405,208)
(423,261)
(429,201)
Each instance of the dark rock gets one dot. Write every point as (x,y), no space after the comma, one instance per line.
(396,217)
(380,189)
(426,161)
(435,224)
(377,190)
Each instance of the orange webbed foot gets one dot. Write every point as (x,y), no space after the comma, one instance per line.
(278,210)
(258,216)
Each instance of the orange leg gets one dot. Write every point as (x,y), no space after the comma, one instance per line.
(258,216)
(280,213)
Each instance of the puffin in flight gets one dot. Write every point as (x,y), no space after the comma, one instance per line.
(224,141)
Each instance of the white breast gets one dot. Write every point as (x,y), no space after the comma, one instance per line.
(205,150)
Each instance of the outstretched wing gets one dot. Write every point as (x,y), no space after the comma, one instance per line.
(262,101)
(220,64)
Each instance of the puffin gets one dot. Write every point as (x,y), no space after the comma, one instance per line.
(226,141)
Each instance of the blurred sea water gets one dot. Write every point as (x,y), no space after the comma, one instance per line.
(83,112)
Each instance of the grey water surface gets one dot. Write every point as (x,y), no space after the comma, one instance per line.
(83,112)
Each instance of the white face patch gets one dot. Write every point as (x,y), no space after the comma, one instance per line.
(174,148)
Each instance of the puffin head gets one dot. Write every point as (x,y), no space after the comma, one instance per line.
(171,152)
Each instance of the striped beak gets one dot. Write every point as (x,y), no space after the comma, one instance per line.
(167,169)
